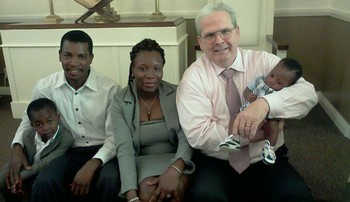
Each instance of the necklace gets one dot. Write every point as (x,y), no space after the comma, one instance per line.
(148,106)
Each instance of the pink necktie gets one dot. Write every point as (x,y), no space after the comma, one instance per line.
(238,160)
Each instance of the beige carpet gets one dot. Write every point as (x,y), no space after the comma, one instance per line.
(8,126)
(316,148)
(320,153)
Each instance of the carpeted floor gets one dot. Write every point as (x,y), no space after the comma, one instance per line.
(8,126)
(320,153)
(317,149)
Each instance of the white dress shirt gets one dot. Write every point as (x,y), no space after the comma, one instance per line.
(202,108)
(84,112)
(40,145)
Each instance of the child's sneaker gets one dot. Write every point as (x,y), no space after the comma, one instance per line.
(230,144)
(268,155)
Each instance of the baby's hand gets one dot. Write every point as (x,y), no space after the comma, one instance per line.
(251,97)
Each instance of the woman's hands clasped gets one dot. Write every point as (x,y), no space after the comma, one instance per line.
(168,185)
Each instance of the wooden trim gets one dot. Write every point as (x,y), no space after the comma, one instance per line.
(316,12)
(123,22)
(276,44)
(197,47)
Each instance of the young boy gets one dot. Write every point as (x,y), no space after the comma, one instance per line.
(47,142)
(284,74)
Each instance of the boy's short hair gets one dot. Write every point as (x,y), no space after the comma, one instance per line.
(39,104)
(294,66)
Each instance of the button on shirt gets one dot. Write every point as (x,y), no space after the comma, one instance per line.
(202,108)
(84,112)
(40,145)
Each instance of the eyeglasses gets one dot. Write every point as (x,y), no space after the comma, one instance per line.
(224,34)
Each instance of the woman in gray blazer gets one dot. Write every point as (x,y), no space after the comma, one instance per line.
(153,152)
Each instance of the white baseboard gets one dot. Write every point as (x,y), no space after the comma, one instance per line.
(336,117)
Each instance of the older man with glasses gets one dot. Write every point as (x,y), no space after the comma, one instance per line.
(208,100)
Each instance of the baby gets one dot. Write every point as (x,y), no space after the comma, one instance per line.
(284,74)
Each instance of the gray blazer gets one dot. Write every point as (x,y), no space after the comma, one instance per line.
(126,121)
(56,148)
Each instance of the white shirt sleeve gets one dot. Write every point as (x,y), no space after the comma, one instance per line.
(292,102)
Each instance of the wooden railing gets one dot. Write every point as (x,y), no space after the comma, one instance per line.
(278,48)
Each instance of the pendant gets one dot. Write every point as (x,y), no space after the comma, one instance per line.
(149,114)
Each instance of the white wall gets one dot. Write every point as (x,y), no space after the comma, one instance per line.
(341,5)
(340,9)
(255,25)
(12,10)
(302,4)
(336,8)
